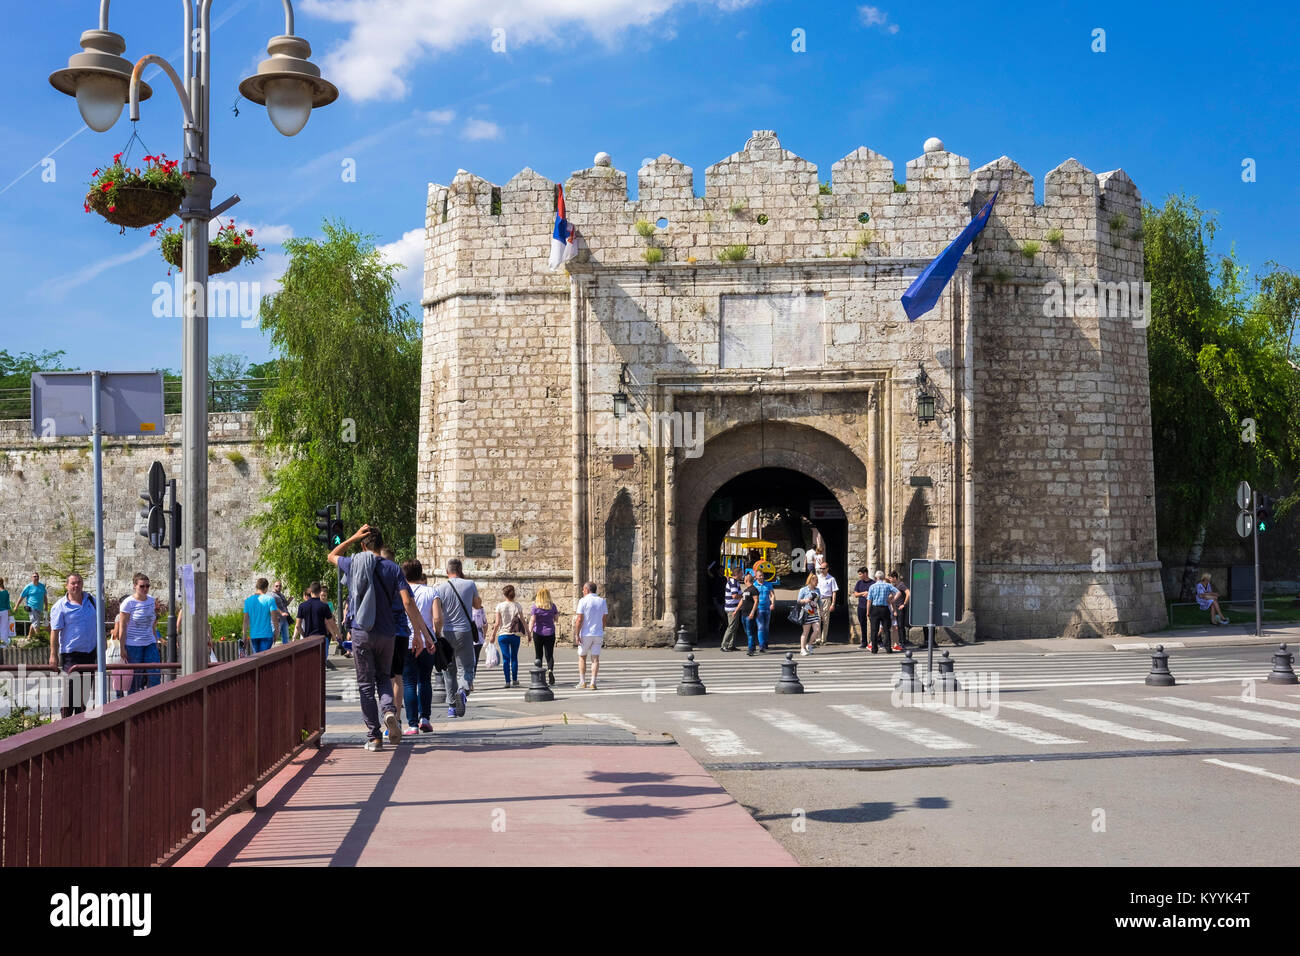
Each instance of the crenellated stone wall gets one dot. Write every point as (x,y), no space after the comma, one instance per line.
(771,310)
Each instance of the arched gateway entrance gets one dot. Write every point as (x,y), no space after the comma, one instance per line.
(781,466)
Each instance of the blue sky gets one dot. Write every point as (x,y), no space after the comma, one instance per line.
(1178,99)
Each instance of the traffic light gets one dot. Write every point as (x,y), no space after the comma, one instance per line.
(1263,512)
(155,523)
(325,523)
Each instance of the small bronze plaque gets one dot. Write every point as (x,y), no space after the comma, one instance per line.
(624,462)
(480,545)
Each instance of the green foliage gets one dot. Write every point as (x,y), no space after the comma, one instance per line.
(16,370)
(734,253)
(761,219)
(653,254)
(158,173)
(1002,276)
(821,210)
(74,556)
(823,189)
(645,228)
(1117,223)
(20,719)
(1218,355)
(237,459)
(1029,248)
(900,187)
(348,353)
(859,245)
(225,624)
(737,207)
(1055,236)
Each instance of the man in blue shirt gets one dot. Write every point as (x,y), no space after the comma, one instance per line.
(764,610)
(261,617)
(879,596)
(72,642)
(34,597)
(373,582)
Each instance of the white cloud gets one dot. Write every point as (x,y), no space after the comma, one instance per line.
(875,17)
(439,117)
(389,37)
(57,288)
(481,129)
(264,234)
(408,251)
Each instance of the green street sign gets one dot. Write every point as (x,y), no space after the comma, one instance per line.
(938,579)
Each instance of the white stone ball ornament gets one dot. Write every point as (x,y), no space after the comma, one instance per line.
(934,145)
(602,159)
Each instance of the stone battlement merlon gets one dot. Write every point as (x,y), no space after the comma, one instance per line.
(764,204)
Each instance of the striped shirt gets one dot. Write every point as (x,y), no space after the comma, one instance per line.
(733,595)
(880,593)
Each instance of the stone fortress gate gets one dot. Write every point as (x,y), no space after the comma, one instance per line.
(703,356)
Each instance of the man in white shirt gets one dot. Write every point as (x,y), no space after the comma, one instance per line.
(826,588)
(589,631)
(812,559)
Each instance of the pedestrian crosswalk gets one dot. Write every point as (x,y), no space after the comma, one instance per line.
(847,670)
(853,730)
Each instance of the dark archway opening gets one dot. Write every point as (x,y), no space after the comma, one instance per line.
(772,489)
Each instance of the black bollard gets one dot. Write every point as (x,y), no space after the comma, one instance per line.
(1160,676)
(907,680)
(538,690)
(1282,672)
(683,642)
(789,682)
(947,678)
(691,685)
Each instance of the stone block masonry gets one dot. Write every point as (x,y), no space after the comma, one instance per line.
(764,314)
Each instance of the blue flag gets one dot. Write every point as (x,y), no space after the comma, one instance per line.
(922,295)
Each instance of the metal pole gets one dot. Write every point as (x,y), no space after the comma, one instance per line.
(1254,533)
(101,686)
(171,575)
(929,671)
(195,212)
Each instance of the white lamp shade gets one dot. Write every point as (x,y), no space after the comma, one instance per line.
(288,101)
(100,99)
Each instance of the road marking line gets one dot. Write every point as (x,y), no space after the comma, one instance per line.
(1098,724)
(1180,720)
(905,729)
(718,741)
(1277,720)
(982,720)
(819,737)
(1258,771)
(1281,704)
(613,719)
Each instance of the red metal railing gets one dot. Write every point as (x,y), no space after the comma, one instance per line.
(122,785)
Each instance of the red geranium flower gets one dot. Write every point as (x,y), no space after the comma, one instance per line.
(112,209)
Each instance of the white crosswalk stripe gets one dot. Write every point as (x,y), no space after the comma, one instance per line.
(1277,720)
(717,741)
(1179,720)
(997,725)
(614,720)
(892,724)
(1279,704)
(819,737)
(1098,724)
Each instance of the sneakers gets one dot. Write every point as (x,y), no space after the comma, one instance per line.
(591,686)
(514,683)
(803,652)
(374,745)
(410,731)
(762,648)
(1222,619)
(426,727)
(580,685)
(451,711)
(749,653)
(550,678)
(898,647)
(459,706)
(392,729)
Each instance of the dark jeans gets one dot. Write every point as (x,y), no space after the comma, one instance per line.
(77,688)
(862,626)
(417,687)
(544,644)
(373,656)
(143,654)
(880,616)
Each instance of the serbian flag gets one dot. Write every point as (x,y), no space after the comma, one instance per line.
(922,295)
(563,248)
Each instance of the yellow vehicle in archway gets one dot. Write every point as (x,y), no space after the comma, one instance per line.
(736,552)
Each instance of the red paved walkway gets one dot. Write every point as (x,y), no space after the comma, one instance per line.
(527,805)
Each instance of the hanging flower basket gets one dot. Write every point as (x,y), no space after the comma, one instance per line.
(132,197)
(227,250)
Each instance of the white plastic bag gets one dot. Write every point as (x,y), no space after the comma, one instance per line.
(493,654)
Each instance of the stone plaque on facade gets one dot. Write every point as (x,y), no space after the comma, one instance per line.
(773,331)
(509,544)
(480,545)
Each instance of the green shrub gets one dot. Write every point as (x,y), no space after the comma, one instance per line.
(761,219)
(1002,276)
(737,207)
(1055,237)
(824,189)
(226,623)
(734,253)
(645,228)
(900,187)
(1029,248)
(18,720)
(236,458)
(1118,222)
(653,254)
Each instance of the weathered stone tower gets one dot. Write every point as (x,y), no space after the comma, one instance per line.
(705,356)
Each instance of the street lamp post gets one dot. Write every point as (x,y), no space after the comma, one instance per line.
(289,85)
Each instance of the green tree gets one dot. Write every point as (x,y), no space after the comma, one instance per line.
(16,375)
(343,406)
(1222,391)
